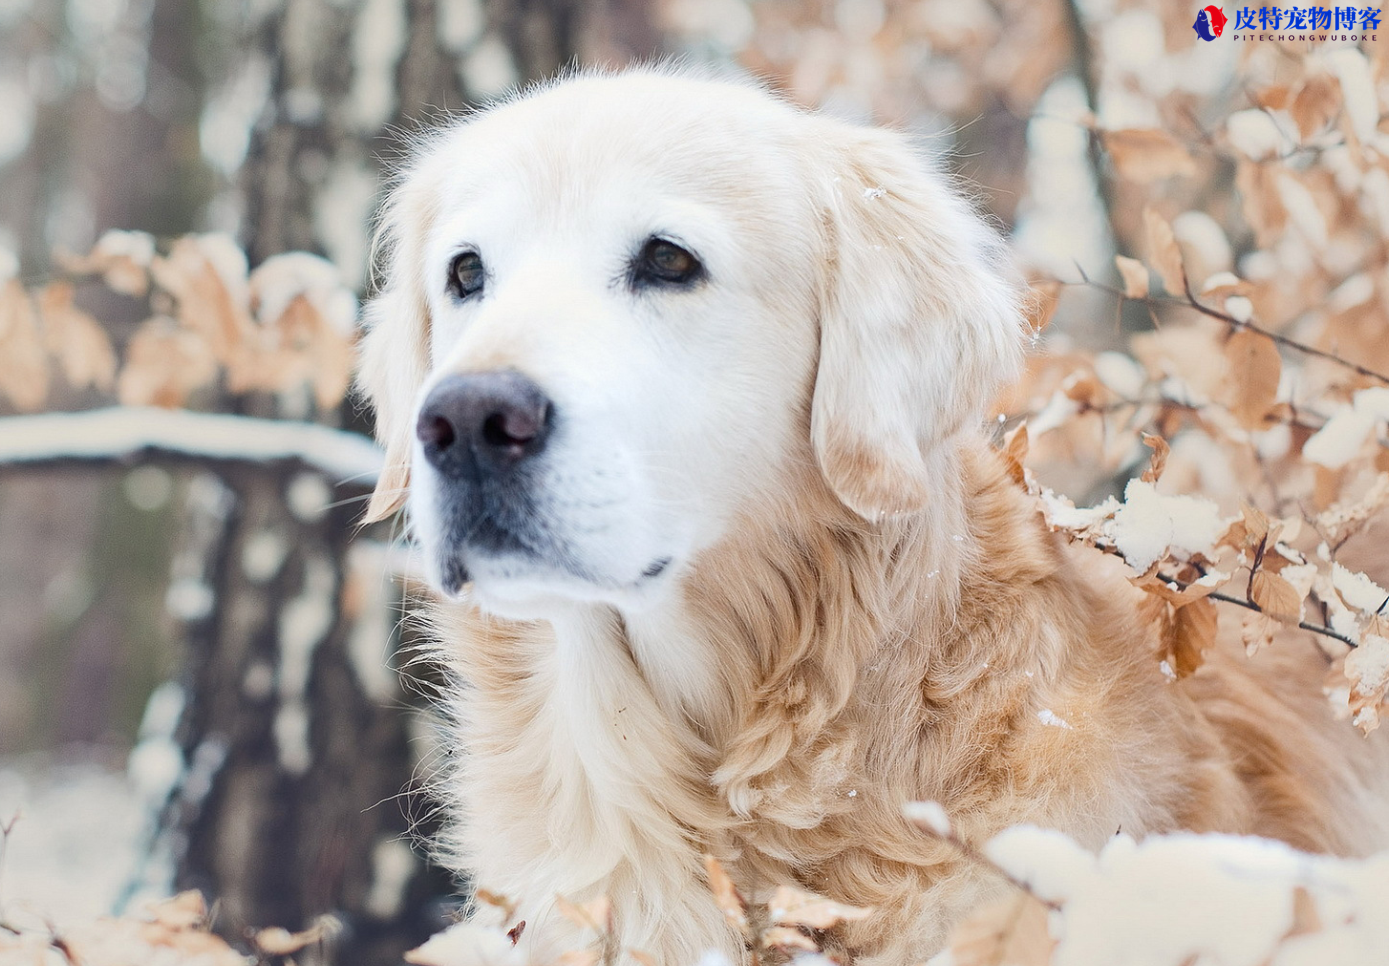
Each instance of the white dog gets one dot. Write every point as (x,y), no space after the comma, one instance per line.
(686,385)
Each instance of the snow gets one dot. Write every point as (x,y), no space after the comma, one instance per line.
(1210,899)
(1120,374)
(1149,524)
(16,118)
(1062,514)
(393,865)
(1050,718)
(1357,590)
(378,40)
(929,815)
(1256,135)
(1337,442)
(76,844)
(1357,88)
(118,432)
(488,70)
(304,622)
(468,943)
(1368,665)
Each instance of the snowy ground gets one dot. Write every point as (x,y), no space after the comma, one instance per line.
(76,843)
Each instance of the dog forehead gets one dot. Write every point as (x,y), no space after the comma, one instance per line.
(597,136)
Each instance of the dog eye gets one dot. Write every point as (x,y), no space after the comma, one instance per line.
(466,274)
(663,262)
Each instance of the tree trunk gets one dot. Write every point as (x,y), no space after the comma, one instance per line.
(290,745)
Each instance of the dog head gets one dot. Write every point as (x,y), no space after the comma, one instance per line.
(620,311)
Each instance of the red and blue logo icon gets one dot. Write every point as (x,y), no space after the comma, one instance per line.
(1210,23)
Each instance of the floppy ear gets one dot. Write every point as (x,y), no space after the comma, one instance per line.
(394,352)
(919,321)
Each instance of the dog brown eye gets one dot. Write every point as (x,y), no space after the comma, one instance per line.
(466,274)
(663,262)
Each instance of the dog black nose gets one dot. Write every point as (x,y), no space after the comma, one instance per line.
(483,422)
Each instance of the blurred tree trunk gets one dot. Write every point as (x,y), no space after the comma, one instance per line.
(300,769)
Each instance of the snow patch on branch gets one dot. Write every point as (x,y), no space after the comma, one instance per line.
(123,431)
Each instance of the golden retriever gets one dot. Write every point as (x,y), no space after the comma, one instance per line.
(685,386)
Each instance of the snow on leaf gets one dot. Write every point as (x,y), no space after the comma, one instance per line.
(1357,590)
(1352,69)
(121,258)
(277,941)
(467,944)
(1255,368)
(1148,524)
(1367,669)
(1146,155)
(794,907)
(206,275)
(1135,276)
(1120,374)
(1340,520)
(929,816)
(1062,514)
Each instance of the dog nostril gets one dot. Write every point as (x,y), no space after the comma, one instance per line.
(437,430)
(513,427)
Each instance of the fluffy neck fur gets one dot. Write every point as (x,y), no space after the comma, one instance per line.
(816,672)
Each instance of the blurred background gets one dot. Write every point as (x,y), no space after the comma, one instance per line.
(205,678)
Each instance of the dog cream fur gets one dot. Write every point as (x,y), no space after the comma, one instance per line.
(861,609)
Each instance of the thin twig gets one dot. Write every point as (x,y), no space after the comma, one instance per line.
(1250,605)
(1191,302)
(974,855)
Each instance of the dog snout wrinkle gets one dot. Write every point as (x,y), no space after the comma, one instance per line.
(482,424)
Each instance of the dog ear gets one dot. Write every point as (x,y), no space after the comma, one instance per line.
(394,353)
(920,321)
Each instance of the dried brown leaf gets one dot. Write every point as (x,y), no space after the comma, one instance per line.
(1146,155)
(1044,295)
(793,907)
(209,302)
(164,363)
(1135,276)
(1193,633)
(1276,597)
(1159,459)
(121,258)
(497,901)
(1255,368)
(596,914)
(788,940)
(23,362)
(1316,104)
(1015,446)
(1163,252)
(1342,520)
(76,340)
(726,896)
(1256,631)
(1012,931)
(281,942)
